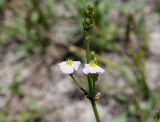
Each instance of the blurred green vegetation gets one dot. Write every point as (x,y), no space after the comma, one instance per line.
(157,6)
(31,115)
(31,24)
(15,87)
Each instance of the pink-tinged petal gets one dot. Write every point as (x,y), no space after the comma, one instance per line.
(85,70)
(99,69)
(76,65)
(86,65)
(92,70)
(62,63)
(66,69)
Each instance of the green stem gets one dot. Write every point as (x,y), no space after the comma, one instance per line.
(88,26)
(94,83)
(94,107)
(87,41)
(90,85)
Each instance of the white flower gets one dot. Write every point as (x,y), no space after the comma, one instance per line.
(69,66)
(92,68)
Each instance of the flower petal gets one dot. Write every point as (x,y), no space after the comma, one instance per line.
(99,69)
(86,65)
(92,70)
(76,65)
(62,63)
(85,70)
(66,69)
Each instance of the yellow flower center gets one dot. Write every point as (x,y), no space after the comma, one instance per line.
(69,62)
(92,64)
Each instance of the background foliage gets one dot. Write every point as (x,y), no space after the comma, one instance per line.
(29,28)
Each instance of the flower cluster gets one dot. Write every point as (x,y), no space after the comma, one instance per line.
(69,66)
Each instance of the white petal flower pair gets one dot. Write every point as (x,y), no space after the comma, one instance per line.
(69,66)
